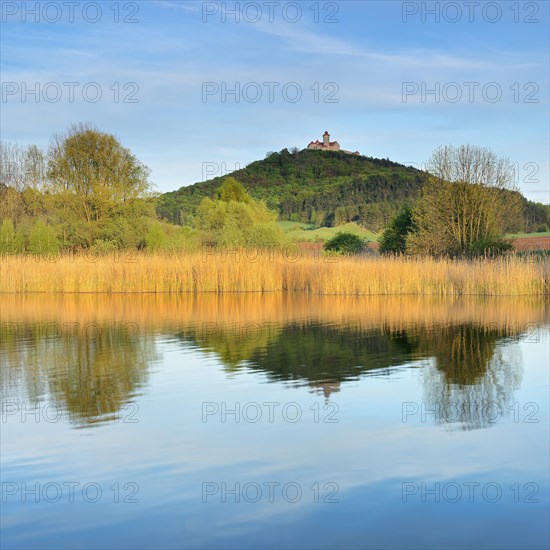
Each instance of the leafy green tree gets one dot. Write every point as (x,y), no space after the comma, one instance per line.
(95,179)
(42,239)
(237,220)
(345,243)
(265,235)
(536,216)
(328,220)
(232,190)
(20,241)
(394,238)
(156,237)
(101,246)
(12,205)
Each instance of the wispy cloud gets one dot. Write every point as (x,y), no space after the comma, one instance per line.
(181,6)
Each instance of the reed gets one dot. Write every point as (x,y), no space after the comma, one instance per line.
(243,271)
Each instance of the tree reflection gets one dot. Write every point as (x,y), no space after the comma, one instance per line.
(90,371)
(93,365)
(321,355)
(468,380)
(472,379)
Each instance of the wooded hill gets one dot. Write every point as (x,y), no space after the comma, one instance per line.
(325,188)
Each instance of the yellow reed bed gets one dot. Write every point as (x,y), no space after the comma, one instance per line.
(273,272)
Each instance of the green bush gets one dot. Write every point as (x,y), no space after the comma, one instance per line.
(345,243)
(490,248)
(266,235)
(156,238)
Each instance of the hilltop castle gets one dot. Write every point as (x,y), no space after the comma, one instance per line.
(327,145)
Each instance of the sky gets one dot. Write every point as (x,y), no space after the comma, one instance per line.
(198,89)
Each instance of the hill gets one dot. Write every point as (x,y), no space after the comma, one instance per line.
(308,186)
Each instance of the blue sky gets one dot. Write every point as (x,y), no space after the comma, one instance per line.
(360,55)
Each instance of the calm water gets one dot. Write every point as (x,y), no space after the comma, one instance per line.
(269,422)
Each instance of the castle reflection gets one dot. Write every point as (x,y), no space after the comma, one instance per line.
(93,354)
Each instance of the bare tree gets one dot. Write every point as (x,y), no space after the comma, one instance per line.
(12,165)
(35,166)
(22,167)
(468,204)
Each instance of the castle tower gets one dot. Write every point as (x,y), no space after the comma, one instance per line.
(326,139)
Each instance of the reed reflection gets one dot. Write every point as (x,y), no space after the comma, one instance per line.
(317,343)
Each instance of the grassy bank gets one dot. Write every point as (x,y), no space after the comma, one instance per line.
(303,232)
(274,272)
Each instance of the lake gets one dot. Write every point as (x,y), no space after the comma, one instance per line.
(274,421)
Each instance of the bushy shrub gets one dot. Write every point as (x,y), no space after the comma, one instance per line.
(156,237)
(490,248)
(266,235)
(345,243)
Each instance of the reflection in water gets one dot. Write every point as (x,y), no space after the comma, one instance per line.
(49,352)
(473,382)
(325,355)
(471,386)
(90,370)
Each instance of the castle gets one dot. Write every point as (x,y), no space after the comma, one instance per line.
(327,145)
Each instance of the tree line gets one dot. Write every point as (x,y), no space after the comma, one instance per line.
(88,191)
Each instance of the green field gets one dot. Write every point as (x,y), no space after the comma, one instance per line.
(303,232)
(521,235)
